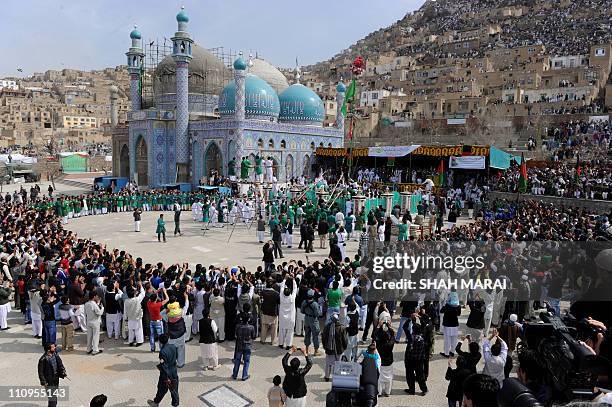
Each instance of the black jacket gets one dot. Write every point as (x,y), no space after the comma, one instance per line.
(323,227)
(335,253)
(176,329)
(309,232)
(385,341)
(341,339)
(455,384)
(304,231)
(270,299)
(276,235)
(45,371)
(472,358)
(451,315)
(294,384)
(476,318)
(207,335)
(268,254)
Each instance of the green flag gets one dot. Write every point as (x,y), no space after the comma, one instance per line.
(349,96)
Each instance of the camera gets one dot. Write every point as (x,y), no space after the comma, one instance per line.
(354,384)
(514,394)
(571,368)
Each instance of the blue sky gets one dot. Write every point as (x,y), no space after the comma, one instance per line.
(90,34)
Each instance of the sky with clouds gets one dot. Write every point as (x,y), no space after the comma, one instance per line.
(91,34)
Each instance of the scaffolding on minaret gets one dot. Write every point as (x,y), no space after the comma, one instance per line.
(156,50)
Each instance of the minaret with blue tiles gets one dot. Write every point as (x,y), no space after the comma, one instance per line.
(135,60)
(240,73)
(181,53)
(340,91)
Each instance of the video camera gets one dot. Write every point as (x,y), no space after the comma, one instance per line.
(354,384)
(514,394)
(571,368)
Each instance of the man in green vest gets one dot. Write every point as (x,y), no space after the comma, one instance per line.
(403,231)
(258,169)
(244,169)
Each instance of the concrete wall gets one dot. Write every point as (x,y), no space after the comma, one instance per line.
(589,204)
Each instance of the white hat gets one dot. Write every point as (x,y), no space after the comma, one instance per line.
(513,317)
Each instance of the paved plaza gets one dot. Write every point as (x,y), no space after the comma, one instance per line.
(128,376)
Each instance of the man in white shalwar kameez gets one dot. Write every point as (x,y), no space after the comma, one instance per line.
(212,215)
(196,211)
(232,214)
(269,172)
(286,314)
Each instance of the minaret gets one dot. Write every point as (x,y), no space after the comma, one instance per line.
(181,53)
(297,74)
(135,58)
(114,113)
(240,72)
(340,91)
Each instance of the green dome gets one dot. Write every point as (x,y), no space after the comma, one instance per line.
(181,17)
(240,64)
(300,104)
(260,99)
(135,34)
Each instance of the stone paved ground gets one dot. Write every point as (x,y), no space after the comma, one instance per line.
(128,375)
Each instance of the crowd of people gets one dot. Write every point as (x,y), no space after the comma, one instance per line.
(63,283)
(577,164)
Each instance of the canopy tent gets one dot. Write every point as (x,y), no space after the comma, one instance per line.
(17,159)
(500,159)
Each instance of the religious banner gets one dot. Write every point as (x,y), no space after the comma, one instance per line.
(341,152)
(407,187)
(391,151)
(438,151)
(415,187)
(480,150)
(468,162)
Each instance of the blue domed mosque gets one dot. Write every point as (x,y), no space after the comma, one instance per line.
(191,129)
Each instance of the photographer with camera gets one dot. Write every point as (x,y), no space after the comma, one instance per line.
(294,384)
(531,373)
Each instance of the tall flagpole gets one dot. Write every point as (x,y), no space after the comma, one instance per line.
(356,69)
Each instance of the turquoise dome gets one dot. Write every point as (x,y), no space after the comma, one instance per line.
(300,104)
(240,64)
(260,99)
(181,17)
(341,87)
(135,34)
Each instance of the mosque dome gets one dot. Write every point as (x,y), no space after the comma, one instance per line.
(207,74)
(240,64)
(260,99)
(135,34)
(301,105)
(270,74)
(182,17)
(340,87)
